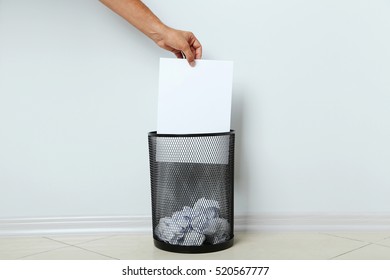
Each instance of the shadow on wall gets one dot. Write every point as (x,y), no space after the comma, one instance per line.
(241,174)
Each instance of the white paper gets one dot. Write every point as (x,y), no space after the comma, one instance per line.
(194,99)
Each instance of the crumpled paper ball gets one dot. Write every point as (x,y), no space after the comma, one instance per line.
(169,231)
(193,238)
(194,226)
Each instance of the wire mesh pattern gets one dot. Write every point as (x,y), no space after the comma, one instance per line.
(192,188)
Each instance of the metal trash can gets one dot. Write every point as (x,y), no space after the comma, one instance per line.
(192,182)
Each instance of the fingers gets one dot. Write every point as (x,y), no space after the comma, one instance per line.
(183,44)
(198,49)
(195,47)
(189,55)
(178,54)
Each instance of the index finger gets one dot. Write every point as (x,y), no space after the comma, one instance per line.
(198,49)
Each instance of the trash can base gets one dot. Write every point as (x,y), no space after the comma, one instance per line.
(193,249)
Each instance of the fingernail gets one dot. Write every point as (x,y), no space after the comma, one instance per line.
(192,63)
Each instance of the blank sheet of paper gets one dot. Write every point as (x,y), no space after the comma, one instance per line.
(194,99)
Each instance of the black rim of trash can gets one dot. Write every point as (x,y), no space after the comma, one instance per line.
(194,249)
(155,134)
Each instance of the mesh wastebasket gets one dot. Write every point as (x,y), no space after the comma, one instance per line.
(192,191)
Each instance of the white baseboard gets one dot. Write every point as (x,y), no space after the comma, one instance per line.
(313,222)
(143,224)
(75,225)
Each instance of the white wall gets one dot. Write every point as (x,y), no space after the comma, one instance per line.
(78,94)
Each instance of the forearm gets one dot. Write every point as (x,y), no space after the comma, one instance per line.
(139,15)
(181,43)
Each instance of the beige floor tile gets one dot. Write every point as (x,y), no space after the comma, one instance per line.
(77,239)
(67,253)
(130,247)
(16,247)
(265,245)
(369,252)
(247,246)
(140,247)
(290,246)
(366,236)
(385,242)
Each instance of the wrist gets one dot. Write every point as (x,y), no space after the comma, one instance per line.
(158,32)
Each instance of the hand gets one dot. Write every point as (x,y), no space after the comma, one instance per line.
(182,43)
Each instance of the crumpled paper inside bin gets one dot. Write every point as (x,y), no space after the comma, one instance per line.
(194,226)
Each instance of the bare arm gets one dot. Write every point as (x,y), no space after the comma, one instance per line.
(140,16)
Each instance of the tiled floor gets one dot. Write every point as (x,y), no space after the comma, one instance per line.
(265,245)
